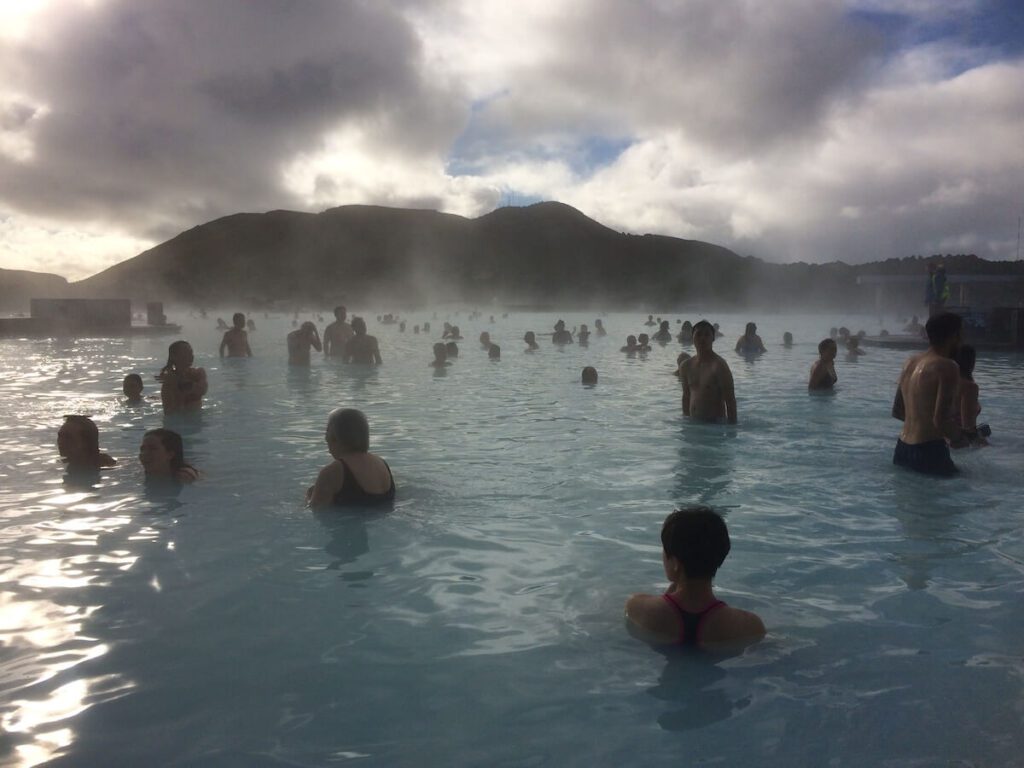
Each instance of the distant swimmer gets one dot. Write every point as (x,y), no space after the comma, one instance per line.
(685,335)
(452,348)
(642,343)
(853,350)
(250,325)
(650,321)
(162,455)
(583,335)
(362,349)
(631,347)
(494,352)
(664,333)
(221,325)
(485,340)
(182,386)
(561,336)
(415,329)
(300,342)
(132,388)
(750,343)
(695,543)
(833,332)
(914,327)
(966,405)
(455,334)
(337,334)
(681,358)
(440,356)
(355,477)
(401,327)
(78,443)
(531,341)
(236,340)
(447,332)
(823,370)
(927,388)
(426,327)
(589,375)
(708,390)
(599,328)
(787,339)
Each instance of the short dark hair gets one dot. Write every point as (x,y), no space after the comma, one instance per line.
(340,308)
(90,432)
(494,352)
(131,377)
(238,319)
(825,343)
(350,428)
(965,357)
(172,443)
(589,375)
(943,327)
(704,324)
(698,539)
(453,349)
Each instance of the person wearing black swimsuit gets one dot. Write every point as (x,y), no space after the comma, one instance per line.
(356,477)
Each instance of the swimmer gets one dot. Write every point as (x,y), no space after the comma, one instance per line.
(631,347)
(447,334)
(914,327)
(966,407)
(236,340)
(583,336)
(823,370)
(485,340)
(695,543)
(561,336)
(853,350)
(844,333)
(300,341)
(162,455)
(362,349)
(426,327)
(924,399)
(78,443)
(337,334)
(708,390)
(650,321)
(833,332)
(416,329)
(440,356)
(787,339)
(182,386)
(750,343)
(132,388)
(456,334)
(681,358)
(452,349)
(250,325)
(401,327)
(589,375)
(685,333)
(664,334)
(599,328)
(642,344)
(494,352)
(221,325)
(355,477)
(531,341)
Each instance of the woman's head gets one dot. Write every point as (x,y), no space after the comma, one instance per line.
(828,348)
(162,453)
(440,352)
(358,326)
(348,431)
(78,440)
(132,386)
(530,337)
(179,355)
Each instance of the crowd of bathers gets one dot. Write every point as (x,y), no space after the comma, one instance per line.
(936,399)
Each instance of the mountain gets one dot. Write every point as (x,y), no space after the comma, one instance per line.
(18,286)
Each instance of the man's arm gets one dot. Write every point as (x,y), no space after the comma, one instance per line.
(328,341)
(684,375)
(315,341)
(248,349)
(728,390)
(223,344)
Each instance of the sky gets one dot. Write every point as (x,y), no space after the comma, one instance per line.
(790,130)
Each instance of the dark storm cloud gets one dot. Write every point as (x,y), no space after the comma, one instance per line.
(157,115)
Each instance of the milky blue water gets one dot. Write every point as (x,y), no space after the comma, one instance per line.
(480,621)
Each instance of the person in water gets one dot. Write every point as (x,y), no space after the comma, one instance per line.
(452,349)
(589,375)
(162,455)
(631,347)
(642,343)
(300,341)
(455,334)
(928,386)
(531,341)
(132,388)
(787,339)
(337,334)
(485,340)
(599,328)
(750,343)
(561,335)
(695,543)
(685,333)
(78,443)
(440,356)
(361,348)
(650,321)
(664,333)
(681,358)
(494,352)
(708,390)
(823,370)
(853,350)
(181,386)
(583,335)
(236,340)
(355,476)
(966,407)
(914,327)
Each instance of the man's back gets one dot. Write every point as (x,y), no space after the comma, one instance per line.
(928,386)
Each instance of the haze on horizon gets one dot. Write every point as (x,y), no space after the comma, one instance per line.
(808,130)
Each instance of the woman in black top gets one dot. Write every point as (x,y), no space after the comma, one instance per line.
(356,477)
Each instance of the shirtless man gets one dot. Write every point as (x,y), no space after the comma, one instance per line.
(708,393)
(236,340)
(924,401)
(361,348)
(337,334)
(299,343)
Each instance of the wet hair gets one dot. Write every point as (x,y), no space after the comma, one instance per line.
(751,328)
(440,348)
(844,331)
(350,428)
(787,338)
(529,336)
(173,444)
(494,352)
(643,338)
(698,538)
(965,357)
(942,327)
(485,338)
(133,377)
(589,375)
(703,325)
(175,346)
(631,341)
(238,320)
(665,324)
(89,431)
(358,325)
(453,349)
(825,343)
